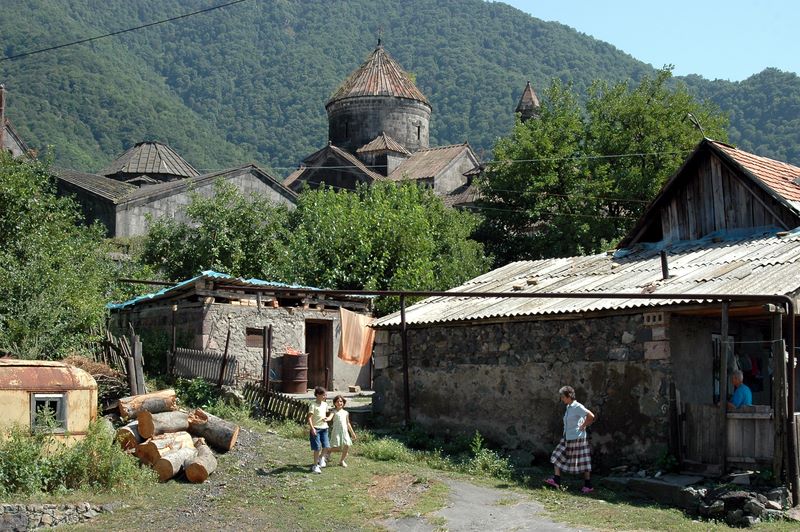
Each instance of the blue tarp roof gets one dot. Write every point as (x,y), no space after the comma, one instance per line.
(207,274)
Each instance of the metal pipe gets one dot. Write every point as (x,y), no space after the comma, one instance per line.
(664,265)
(404,349)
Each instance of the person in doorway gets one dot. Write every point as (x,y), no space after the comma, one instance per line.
(573,453)
(742,396)
(342,433)
(318,428)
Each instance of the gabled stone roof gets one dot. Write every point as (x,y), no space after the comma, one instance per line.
(150,158)
(102,186)
(315,162)
(428,163)
(383,142)
(379,75)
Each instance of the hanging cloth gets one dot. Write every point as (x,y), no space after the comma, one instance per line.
(355,346)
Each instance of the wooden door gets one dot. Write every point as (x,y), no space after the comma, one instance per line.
(319,346)
(703,434)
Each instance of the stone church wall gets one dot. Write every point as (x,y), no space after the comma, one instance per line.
(354,122)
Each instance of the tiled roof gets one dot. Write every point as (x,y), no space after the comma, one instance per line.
(428,163)
(150,158)
(466,194)
(97,184)
(383,142)
(380,75)
(737,264)
(781,177)
(528,102)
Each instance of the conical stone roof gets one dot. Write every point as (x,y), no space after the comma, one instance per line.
(380,75)
(150,158)
(528,103)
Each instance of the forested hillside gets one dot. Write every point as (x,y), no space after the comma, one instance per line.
(250,81)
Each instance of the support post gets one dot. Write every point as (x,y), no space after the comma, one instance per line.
(404,343)
(723,384)
(224,357)
(778,398)
(267,351)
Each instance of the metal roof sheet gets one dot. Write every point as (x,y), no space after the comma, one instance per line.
(97,184)
(150,158)
(765,263)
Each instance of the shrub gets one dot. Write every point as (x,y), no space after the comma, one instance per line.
(196,393)
(386,449)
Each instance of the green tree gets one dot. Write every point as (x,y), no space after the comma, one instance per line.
(54,273)
(573,181)
(228,232)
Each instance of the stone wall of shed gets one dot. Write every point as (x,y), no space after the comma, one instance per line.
(502,379)
(453,177)
(206,327)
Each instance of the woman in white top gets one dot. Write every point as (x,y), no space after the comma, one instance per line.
(573,453)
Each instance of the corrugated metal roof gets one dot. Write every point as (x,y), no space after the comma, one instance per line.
(97,184)
(150,158)
(379,75)
(719,264)
(210,275)
(383,142)
(430,162)
(42,375)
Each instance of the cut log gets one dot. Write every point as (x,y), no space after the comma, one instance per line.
(219,433)
(199,467)
(171,463)
(160,401)
(128,436)
(154,424)
(153,449)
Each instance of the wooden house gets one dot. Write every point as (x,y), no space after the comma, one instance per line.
(47,396)
(647,333)
(217,313)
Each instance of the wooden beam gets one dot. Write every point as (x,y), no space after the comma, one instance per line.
(723,383)
(779,396)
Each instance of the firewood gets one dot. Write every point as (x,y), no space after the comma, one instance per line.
(171,463)
(129,436)
(154,424)
(160,401)
(199,467)
(219,433)
(151,450)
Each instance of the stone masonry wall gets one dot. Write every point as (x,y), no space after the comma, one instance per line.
(502,379)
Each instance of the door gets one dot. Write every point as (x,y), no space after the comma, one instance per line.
(319,346)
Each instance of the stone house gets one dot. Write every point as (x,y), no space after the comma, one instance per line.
(726,224)
(378,130)
(202,311)
(152,179)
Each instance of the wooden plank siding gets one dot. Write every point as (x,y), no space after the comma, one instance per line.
(703,434)
(716,198)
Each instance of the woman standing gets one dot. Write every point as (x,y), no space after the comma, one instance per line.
(573,453)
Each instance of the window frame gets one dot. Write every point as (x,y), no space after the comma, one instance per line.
(60,412)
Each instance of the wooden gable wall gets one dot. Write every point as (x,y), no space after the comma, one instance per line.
(712,196)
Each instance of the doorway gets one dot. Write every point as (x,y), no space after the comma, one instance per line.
(319,346)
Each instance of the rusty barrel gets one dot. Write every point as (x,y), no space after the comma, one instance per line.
(295,373)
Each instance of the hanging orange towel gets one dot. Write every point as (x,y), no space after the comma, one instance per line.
(356,344)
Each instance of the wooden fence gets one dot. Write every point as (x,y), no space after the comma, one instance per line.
(276,404)
(211,365)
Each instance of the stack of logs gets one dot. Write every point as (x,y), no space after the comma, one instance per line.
(171,440)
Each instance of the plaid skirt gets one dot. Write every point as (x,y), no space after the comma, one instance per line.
(572,456)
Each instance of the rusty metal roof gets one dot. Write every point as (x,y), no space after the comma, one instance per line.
(379,75)
(383,142)
(150,158)
(43,376)
(765,263)
(430,162)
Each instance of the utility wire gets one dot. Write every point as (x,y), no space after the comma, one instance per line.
(118,32)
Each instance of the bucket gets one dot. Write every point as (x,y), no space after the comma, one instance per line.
(295,373)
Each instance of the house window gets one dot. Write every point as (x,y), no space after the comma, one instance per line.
(419,132)
(254,337)
(48,412)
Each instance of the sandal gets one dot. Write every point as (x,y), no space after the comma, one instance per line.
(586,489)
(552,482)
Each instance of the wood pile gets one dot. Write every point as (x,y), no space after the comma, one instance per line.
(170,440)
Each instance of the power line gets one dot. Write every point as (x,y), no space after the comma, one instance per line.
(118,32)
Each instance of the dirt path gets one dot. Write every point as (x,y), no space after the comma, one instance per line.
(472,507)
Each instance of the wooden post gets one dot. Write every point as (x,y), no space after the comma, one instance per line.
(174,342)
(138,363)
(723,384)
(224,357)
(778,398)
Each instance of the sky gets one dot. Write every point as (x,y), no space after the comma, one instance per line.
(716,39)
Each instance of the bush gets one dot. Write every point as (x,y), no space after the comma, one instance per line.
(33,463)
(386,449)
(196,393)
(486,461)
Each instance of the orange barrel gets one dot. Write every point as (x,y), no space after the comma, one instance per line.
(295,373)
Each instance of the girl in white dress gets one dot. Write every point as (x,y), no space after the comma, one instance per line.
(341,429)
